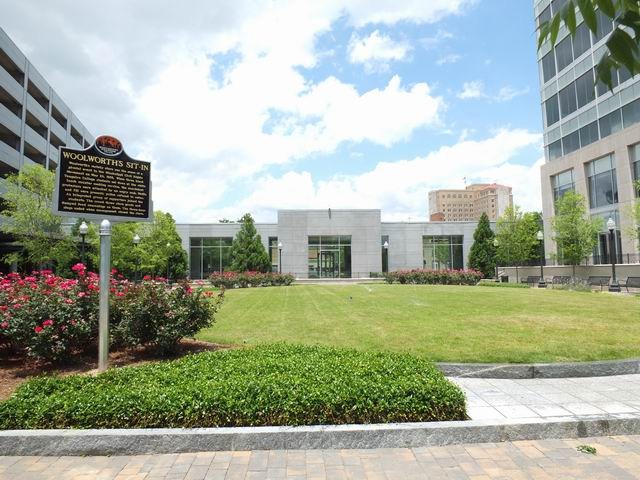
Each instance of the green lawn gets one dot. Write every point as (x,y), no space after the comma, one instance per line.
(441,323)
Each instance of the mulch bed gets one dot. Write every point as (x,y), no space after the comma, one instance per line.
(17,369)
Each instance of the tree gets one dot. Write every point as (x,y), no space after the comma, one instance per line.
(532,224)
(482,256)
(622,48)
(31,222)
(575,232)
(633,211)
(247,251)
(160,248)
(515,239)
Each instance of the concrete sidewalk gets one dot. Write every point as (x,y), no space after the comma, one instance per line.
(617,458)
(551,398)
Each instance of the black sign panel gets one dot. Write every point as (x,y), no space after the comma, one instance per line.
(102,182)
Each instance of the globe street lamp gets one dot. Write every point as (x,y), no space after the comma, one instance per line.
(495,244)
(540,237)
(136,241)
(83,229)
(168,260)
(611,226)
(279,257)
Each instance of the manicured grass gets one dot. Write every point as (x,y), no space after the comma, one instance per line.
(440,323)
(267,385)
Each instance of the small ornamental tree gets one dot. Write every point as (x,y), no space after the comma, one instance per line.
(575,232)
(633,212)
(247,251)
(516,241)
(482,256)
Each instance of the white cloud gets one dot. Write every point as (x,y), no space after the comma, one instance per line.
(401,187)
(376,50)
(450,58)
(435,40)
(509,93)
(473,89)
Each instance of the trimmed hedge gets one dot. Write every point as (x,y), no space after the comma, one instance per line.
(493,284)
(266,385)
(250,279)
(420,276)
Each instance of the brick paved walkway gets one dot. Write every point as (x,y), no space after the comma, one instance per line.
(618,458)
(552,397)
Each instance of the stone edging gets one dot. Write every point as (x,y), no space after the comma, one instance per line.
(541,370)
(152,441)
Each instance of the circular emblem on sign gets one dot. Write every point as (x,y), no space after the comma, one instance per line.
(108,145)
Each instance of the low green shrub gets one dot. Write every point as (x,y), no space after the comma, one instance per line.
(250,279)
(491,283)
(434,277)
(266,385)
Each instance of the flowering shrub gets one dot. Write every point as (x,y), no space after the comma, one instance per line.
(434,277)
(51,317)
(250,279)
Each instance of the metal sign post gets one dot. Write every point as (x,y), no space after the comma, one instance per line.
(105,280)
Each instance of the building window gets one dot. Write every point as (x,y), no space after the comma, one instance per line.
(602,250)
(602,87)
(605,26)
(548,66)
(564,54)
(634,154)
(610,123)
(561,184)
(602,183)
(631,113)
(442,252)
(330,256)
(571,143)
(208,255)
(585,89)
(545,16)
(581,40)
(588,134)
(273,253)
(385,253)
(555,150)
(552,110)
(558,5)
(624,74)
(568,103)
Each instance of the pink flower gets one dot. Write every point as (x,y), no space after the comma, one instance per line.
(81,294)
(38,329)
(4,325)
(47,323)
(78,267)
(146,277)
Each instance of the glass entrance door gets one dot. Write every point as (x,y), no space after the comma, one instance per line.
(329,264)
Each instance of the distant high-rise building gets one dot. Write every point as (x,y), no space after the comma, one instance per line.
(34,121)
(469,204)
(591,133)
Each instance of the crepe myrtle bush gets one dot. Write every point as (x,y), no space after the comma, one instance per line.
(50,317)
(250,279)
(434,277)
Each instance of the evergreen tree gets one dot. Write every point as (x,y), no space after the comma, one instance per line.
(482,256)
(575,232)
(247,251)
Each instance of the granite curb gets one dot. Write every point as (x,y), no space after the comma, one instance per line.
(541,370)
(158,441)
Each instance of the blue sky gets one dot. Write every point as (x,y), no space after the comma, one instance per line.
(255,106)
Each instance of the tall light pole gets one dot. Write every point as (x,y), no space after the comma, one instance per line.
(495,244)
(611,226)
(168,260)
(540,237)
(136,241)
(279,257)
(83,229)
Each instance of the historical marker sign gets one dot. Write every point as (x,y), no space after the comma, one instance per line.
(103,182)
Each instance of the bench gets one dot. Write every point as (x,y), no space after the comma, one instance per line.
(598,281)
(633,282)
(531,280)
(560,280)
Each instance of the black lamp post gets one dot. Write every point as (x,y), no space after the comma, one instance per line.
(136,241)
(385,245)
(541,282)
(279,257)
(168,260)
(611,226)
(495,244)
(83,229)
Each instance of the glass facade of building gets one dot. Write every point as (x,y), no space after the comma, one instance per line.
(561,184)
(209,255)
(602,183)
(442,252)
(330,256)
(274,254)
(634,155)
